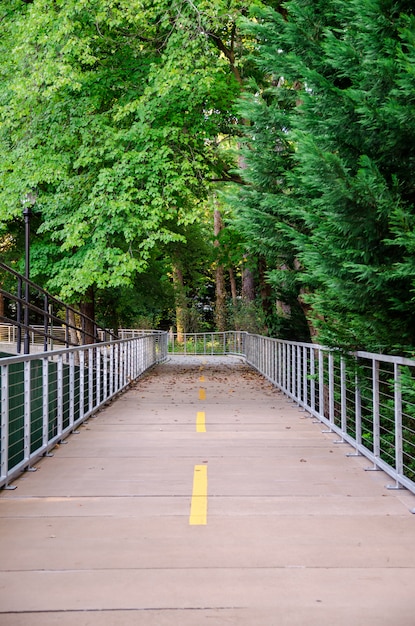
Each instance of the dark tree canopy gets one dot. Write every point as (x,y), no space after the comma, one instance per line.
(331,161)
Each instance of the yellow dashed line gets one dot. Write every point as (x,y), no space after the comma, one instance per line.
(201,422)
(202,394)
(198,507)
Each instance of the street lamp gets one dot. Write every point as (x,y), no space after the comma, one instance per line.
(28,201)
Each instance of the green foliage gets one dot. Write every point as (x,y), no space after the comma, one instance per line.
(118,117)
(247,316)
(330,157)
(110,112)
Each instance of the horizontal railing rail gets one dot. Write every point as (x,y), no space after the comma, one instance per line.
(211,343)
(367,400)
(9,334)
(44,397)
(38,317)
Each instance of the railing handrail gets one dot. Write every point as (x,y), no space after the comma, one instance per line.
(388,358)
(53,354)
(367,399)
(46,314)
(45,396)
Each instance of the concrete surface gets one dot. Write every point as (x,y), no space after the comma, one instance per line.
(297,533)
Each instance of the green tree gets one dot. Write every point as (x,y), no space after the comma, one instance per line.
(110,112)
(336,180)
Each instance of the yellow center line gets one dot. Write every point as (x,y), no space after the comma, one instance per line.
(202,394)
(202,379)
(200,422)
(198,507)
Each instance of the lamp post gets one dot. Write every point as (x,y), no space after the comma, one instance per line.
(27,213)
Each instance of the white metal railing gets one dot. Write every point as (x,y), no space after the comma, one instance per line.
(26,302)
(211,343)
(44,397)
(367,399)
(129,333)
(9,335)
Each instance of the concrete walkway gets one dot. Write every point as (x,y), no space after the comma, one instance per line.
(289,531)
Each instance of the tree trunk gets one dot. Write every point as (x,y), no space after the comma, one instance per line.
(220,304)
(73,334)
(87,308)
(306,308)
(180,301)
(265,289)
(248,285)
(234,291)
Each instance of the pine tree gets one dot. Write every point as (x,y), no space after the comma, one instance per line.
(346,204)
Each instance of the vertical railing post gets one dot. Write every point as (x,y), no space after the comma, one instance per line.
(60,395)
(4,439)
(328,392)
(97,376)
(19,315)
(45,322)
(81,383)
(90,379)
(398,426)
(112,356)
(67,337)
(274,361)
(105,374)
(279,363)
(27,213)
(398,420)
(284,368)
(312,380)
(291,368)
(331,387)
(321,382)
(376,413)
(299,377)
(26,409)
(358,414)
(71,389)
(134,371)
(304,377)
(343,395)
(45,402)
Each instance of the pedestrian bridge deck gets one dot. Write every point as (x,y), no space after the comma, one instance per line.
(203,496)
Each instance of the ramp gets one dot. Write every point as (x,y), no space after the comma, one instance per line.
(203,496)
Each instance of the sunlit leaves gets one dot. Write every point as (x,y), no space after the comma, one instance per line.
(111,111)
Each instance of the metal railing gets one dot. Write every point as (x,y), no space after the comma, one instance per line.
(213,343)
(37,317)
(367,399)
(10,334)
(44,397)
